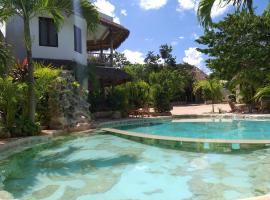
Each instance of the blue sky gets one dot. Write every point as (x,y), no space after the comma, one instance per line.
(156,22)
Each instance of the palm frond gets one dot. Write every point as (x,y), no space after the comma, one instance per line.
(262,92)
(204,12)
(205,8)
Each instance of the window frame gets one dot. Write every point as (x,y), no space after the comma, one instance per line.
(48,43)
(77,37)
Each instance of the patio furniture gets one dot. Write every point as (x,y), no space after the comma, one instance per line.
(141,112)
(235,108)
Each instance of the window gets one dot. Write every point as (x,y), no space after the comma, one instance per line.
(48,35)
(77,39)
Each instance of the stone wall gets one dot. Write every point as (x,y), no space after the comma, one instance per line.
(68,108)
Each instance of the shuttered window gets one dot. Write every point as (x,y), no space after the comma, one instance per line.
(48,35)
(77,39)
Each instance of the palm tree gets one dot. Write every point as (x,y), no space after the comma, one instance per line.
(27,9)
(205,8)
(211,89)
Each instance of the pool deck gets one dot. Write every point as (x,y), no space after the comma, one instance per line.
(198,109)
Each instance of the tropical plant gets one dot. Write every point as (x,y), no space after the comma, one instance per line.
(138,93)
(211,89)
(205,7)
(27,9)
(161,99)
(45,76)
(171,80)
(6,59)
(12,97)
(262,92)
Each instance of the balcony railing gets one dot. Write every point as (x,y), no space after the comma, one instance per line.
(99,59)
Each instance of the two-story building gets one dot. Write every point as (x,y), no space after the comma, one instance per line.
(73,45)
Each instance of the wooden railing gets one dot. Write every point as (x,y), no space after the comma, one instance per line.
(99,59)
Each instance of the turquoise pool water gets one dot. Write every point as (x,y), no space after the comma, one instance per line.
(206,129)
(106,167)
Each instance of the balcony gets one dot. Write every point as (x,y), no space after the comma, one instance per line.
(100,59)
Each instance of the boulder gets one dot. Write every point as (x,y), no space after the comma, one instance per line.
(67,106)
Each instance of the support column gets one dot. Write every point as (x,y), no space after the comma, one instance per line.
(101,56)
(111,48)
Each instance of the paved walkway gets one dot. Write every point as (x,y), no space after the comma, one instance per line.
(198,109)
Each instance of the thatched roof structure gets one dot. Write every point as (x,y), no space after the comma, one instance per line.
(108,76)
(107,29)
(198,74)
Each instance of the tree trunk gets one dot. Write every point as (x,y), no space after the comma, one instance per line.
(30,80)
(213,107)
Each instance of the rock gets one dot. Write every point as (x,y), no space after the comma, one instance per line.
(67,107)
(5,196)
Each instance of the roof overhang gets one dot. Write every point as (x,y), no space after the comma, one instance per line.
(109,76)
(107,30)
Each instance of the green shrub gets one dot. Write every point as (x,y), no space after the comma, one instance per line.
(12,101)
(45,77)
(138,93)
(117,99)
(24,127)
(161,99)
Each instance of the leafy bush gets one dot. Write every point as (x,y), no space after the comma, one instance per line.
(24,127)
(12,101)
(161,99)
(45,76)
(117,99)
(138,93)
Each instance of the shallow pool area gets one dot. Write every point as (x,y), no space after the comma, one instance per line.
(107,167)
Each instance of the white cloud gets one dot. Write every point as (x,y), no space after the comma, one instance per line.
(187,5)
(107,8)
(193,57)
(116,20)
(134,56)
(149,39)
(217,10)
(195,36)
(124,12)
(181,37)
(152,4)
(174,43)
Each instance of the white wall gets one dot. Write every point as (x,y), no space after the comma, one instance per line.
(3,28)
(65,49)
(15,37)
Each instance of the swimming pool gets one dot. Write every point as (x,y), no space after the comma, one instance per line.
(227,129)
(106,167)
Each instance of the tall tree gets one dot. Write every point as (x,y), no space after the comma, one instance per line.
(120,60)
(27,9)
(166,54)
(238,50)
(205,7)
(151,58)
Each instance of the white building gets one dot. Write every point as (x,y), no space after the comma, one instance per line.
(71,45)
